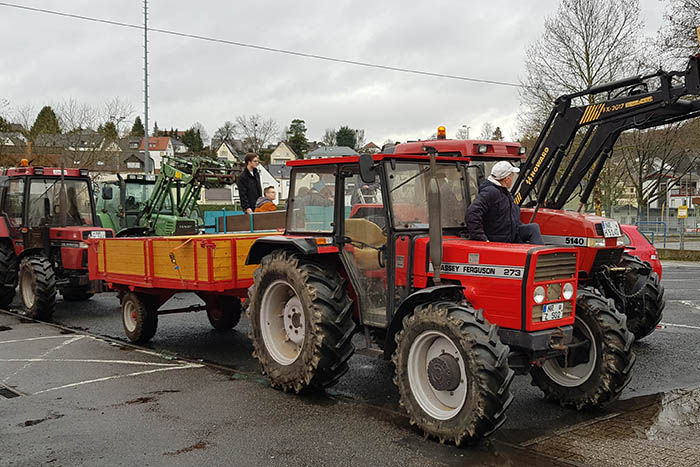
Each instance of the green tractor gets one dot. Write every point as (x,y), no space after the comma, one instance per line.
(163,204)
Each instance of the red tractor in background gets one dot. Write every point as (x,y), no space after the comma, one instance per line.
(565,163)
(47,214)
(375,244)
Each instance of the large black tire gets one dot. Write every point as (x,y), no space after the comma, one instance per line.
(300,322)
(476,406)
(139,317)
(224,312)
(37,287)
(591,375)
(8,274)
(645,309)
(77,294)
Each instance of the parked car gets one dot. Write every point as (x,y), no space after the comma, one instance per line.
(637,244)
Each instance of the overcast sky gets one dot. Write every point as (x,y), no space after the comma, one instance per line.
(46,59)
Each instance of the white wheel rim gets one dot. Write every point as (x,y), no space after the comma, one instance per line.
(27,288)
(282,322)
(129,311)
(441,405)
(573,376)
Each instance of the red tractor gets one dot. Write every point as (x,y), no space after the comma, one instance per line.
(47,214)
(564,165)
(375,244)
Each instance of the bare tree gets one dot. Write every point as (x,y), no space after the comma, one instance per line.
(462,133)
(117,110)
(360,138)
(202,132)
(225,132)
(587,42)
(655,160)
(329,137)
(486,131)
(25,115)
(677,38)
(255,131)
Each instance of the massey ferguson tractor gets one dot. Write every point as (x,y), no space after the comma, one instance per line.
(566,162)
(457,317)
(47,214)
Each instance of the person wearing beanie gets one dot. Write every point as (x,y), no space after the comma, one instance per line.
(493,216)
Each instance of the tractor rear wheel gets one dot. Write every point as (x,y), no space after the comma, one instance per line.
(76,294)
(224,312)
(37,287)
(8,274)
(645,310)
(139,317)
(452,372)
(598,364)
(300,322)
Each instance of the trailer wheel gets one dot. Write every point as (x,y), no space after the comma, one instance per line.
(224,312)
(300,322)
(8,274)
(139,317)
(76,294)
(452,372)
(37,287)
(598,365)
(645,310)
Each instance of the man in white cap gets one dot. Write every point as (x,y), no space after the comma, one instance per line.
(493,216)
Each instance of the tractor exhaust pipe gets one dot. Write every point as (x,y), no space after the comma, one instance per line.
(434,216)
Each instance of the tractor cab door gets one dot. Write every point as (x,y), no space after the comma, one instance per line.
(365,244)
(13,204)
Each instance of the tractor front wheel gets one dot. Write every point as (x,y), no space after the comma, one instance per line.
(37,287)
(645,309)
(452,372)
(300,322)
(224,312)
(139,317)
(598,364)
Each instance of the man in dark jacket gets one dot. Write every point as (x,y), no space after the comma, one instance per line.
(493,216)
(249,186)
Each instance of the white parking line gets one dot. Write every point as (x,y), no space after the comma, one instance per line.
(34,339)
(107,378)
(79,360)
(685,326)
(58,347)
(689,303)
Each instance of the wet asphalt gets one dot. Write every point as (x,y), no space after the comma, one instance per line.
(666,361)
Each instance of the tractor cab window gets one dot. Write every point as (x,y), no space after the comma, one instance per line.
(47,208)
(14,201)
(408,184)
(138,193)
(312,203)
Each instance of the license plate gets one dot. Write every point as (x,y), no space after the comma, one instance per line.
(553,311)
(98,234)
(611,229)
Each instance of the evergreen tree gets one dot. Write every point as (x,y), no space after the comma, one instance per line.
(193,140)
(346,137)
(497,134)
(46,123)
(137,129)
(5,125)
(156,131)
(109,131)
(296,137)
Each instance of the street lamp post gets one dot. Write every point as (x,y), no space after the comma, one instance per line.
(466,128)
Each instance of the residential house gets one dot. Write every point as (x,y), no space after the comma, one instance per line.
(230,149)
(281,173)
(282,154)
(162,146)
(331,151)
(370,148)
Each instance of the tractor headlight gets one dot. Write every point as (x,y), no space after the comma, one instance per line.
(538,295)
(567,291)
(620,241)
(596,242)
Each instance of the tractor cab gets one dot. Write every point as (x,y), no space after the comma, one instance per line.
(47,214)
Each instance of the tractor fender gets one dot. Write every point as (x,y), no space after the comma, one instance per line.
(447,292)
(4,231)
(266,245)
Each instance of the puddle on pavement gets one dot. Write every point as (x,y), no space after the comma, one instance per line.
(677,415)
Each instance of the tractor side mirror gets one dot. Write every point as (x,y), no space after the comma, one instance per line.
(107,192)
(367,171)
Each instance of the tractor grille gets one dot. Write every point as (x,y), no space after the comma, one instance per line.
(555,266)
(610,257)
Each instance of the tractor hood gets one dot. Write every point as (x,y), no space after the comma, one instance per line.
(571,228)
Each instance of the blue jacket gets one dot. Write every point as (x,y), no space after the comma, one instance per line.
(493,215)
